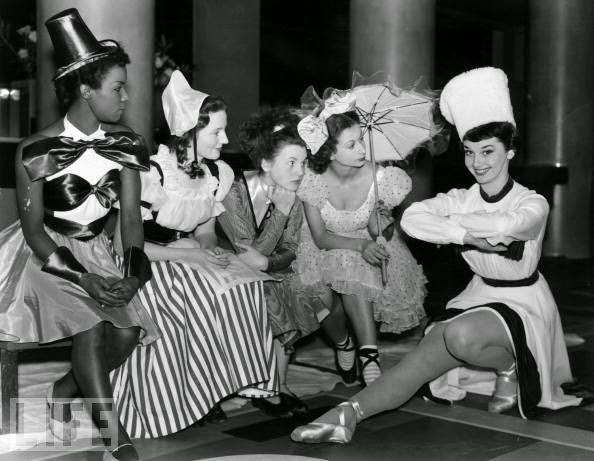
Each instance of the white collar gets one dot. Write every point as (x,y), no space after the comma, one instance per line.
(71,131)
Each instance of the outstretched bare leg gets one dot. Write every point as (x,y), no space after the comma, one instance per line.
(477,338)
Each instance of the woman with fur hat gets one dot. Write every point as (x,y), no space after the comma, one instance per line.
(215,338)
(502,335)
(60,279)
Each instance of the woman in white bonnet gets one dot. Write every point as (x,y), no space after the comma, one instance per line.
(503,332)
(216,340)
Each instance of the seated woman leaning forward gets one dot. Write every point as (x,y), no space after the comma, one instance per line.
(506,320)
(263,219)
(210,307)
(59,276)
(338,253)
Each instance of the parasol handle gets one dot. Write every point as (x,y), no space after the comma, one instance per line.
(376,195)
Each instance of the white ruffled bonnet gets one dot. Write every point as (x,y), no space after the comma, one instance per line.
(181,104)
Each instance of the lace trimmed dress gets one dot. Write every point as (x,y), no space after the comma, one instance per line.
(215,342)
(80,185)
(399,305)
(252,219)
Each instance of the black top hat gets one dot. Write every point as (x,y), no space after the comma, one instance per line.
(74,44)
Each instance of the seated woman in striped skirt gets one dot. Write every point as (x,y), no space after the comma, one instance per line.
(210,307)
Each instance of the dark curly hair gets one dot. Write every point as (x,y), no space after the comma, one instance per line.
(267,131)
(336,124)
(92,74)
(180,144)
(504,131)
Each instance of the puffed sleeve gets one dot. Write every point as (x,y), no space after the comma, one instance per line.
(430,220)
(152,194)
(393,185)
(226,178)
(524,221)
(186,206)
(313,189)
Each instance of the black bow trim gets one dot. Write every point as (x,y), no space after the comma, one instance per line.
(50,155)
(68,191)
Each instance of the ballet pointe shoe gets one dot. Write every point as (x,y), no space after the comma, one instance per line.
(61,430)
(326,432)
(505,396)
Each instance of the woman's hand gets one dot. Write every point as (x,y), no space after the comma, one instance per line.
(386,219)
(125,288)
(252,257)
(100,290)
(282,198)
(200,256)
(184,243)
(220,251)
(482,244)
(374,253)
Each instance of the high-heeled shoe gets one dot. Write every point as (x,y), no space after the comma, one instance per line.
(118,452)
(326,432)
(276,410)
(294,404)
(505,396)
(216,415)
(62,430)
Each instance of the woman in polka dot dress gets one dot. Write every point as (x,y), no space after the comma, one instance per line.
(338,251)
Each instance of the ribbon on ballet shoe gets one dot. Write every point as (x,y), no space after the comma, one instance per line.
(505,396)
(342,432)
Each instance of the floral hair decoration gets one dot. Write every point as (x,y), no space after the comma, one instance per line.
(312,128)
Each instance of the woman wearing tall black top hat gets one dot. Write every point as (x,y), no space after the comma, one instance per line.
(58,277)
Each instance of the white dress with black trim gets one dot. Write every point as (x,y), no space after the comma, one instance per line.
(508,285)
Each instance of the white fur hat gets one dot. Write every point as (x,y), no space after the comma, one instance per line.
(181,104)
(477,97)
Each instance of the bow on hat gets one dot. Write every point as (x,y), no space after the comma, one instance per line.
(313,129)
(181,104)
(50,155)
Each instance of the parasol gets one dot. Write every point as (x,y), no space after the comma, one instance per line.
(393,123)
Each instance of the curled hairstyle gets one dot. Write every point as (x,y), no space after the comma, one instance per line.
(266,132)
(180,144)
(92,74)
(336,124)
(504,131)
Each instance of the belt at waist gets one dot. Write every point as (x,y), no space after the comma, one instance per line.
(160,235)
(75,230)
(531,280)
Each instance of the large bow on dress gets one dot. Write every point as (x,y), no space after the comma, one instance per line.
(50,155)
(68,191)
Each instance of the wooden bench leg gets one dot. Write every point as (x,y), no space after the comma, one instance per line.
(10,387)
